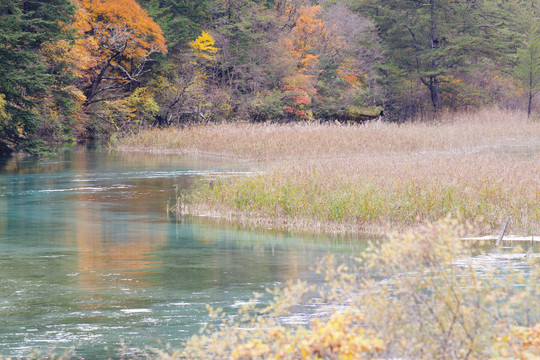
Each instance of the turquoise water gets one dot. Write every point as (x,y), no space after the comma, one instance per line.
(89,256)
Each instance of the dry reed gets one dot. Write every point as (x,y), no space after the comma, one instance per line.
(462,132)
(482,166)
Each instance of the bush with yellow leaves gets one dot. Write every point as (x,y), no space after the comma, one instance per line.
(520,343)
(418,295)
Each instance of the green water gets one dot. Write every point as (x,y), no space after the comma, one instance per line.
(89,256)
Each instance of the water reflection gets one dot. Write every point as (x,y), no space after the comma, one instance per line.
(89,256)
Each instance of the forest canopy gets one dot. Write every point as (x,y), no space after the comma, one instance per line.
(73,70)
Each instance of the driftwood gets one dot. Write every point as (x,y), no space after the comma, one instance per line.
(503,230)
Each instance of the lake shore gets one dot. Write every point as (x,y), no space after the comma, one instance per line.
(478,166)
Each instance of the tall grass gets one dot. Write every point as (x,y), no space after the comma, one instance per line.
(481,165)
(451,132)
(368,194)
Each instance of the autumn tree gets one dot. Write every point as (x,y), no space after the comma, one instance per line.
(118,40)
(182,87)
(334,70)
(308,39)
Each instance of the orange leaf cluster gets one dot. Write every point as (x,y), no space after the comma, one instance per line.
(302,42)
(349,72)
(310,37)
(105,27)
(112,35)
(140,32)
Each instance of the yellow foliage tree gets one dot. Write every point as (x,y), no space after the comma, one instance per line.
(3,113)
(55,115)
(203,47)
(184,93)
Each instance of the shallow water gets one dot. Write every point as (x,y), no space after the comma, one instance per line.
(89,256)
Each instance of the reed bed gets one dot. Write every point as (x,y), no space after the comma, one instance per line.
(461,132)
(373,194)
(481,166)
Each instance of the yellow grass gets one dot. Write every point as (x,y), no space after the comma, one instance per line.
(482,166)
(458,132)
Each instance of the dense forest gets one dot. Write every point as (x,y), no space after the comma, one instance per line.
(72,70)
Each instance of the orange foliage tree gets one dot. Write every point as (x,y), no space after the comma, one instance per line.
(310,38)
(117,40)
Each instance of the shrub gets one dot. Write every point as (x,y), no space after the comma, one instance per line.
(417,295)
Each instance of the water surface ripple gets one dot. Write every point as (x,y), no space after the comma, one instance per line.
(89,256)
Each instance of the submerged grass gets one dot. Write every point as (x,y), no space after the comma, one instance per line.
(482,166)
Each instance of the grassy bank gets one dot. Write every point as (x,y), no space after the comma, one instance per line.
(361,195)
(482,166)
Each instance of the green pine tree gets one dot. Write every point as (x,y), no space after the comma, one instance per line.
(527,68)
(431,40)
(25,26)
(181,21)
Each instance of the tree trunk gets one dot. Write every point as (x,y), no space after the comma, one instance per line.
(434,80)
(93,90)
(434,91)
(530,104)
(531,95)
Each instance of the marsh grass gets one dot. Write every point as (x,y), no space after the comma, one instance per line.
(265,142)
(356,196)
(481,166)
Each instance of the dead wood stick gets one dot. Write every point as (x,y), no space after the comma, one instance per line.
(503,230)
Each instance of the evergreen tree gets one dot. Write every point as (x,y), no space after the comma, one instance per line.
(25,27)
(180,21)
(432,40)
(527,69)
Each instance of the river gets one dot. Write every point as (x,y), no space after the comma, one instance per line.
(89,256)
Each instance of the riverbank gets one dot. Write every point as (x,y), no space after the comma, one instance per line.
(480,166)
